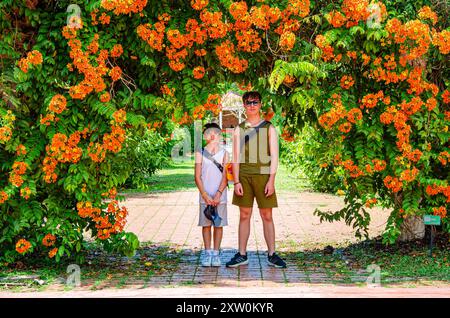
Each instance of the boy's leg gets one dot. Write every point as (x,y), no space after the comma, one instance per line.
(206,232)
(244,228)
(218,233)
(268,228)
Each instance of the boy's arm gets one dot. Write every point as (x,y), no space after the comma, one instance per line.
(198,174)
(236,154)
(274,152)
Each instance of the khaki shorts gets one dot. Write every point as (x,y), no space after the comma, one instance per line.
(253,187)
(221,209)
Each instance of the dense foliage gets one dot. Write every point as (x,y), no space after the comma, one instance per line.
(78,77)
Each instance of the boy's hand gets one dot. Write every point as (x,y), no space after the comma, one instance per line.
(207,199)
(238,189)
(216,200)
(269,189)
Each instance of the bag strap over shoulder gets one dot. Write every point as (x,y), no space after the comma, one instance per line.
(208,155)
(253,133)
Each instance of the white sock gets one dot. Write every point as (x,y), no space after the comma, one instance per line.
(215,252)
(208,252)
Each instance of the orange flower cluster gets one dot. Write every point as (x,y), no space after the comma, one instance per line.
(287,136)
(62,150)
(370,100)
(49,118)
(411,107)
(444,157)
(370,203)
(33,58)
(355,11)
(446,96)
(167,91)
(352,168)
(120,116)
(337,112)
(198,72)
(3,197)
(5,134)
(417,83)
(49,240)
(327,49)
(225,52)
(81,61)
(25,193)
(213,23)
(248,40)
(354,115)
(347,81)
(264,15)
(414,38)
(441,211)
(52,252)
(379,165)
(186,119)
(154,37)
(115,73)
(442,41)
(199,4)
(18,169)
(57,104)
(117,50)
(113,141)
(336,19)
(287,41)
(21,150)
(393,183)
(409,175)
(105,97)
(426,13)
(124,7)
(104,18)
(22,246)
(345,127)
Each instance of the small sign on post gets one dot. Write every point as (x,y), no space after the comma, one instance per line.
(431,220)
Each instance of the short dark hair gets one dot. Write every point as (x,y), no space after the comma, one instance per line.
(211,125)
(251,94)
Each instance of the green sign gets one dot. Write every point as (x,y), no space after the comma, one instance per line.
(432,219)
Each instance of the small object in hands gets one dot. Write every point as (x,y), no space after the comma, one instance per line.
(328,250)
(212,215)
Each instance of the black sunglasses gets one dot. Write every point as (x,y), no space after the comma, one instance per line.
(250,103)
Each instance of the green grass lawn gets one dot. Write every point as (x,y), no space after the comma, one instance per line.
(180,177)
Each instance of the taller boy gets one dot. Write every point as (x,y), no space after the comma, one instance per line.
(255,162)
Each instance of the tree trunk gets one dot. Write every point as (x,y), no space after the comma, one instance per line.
(412,228)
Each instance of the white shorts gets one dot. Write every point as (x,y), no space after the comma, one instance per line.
(221,209)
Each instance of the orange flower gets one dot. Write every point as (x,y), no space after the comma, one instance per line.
(123,7)
(287,41)
(3,197)
(22,246)
(347,81)
(120,116)
(444,157)
(198,72)
(49,240)
(345,127)
(21,150)
(57,104)
(199,4)
(52,252)
(336,19)
(105,97)
(25,193)
(117,50)
(33,58)
(115,73)
(441,211)
(426,13)
(409,175)
(354,115)
(393,183)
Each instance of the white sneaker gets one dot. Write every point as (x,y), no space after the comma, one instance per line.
(216,261)
(206,259)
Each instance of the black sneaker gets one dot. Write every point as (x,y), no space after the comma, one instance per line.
(276,261)
(237,260)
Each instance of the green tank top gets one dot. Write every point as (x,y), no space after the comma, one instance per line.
(255,154)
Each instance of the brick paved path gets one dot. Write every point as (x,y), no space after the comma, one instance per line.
(172,217)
